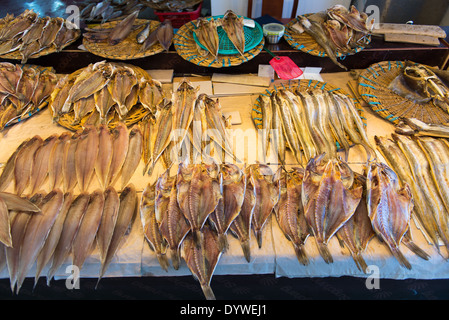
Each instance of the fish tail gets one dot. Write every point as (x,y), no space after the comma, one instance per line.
(175,259)
(208,293)
(325,253)
(223,243)
(401,258)
(163,261)
(246,250)
(301,255)
(259,238)
(360,261)
(417,250)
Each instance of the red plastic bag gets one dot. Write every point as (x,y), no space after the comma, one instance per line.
(285,68)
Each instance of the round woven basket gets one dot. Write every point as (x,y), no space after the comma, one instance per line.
(134,115)
(127,49)
(306,43)
(187,48)
(373,85)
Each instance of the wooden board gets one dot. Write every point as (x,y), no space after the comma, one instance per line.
(412,38)
(425,30)
(246,79)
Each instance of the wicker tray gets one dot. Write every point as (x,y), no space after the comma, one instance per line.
(188,49)
(137,113)
(306,43)
(373,88)
(127,49)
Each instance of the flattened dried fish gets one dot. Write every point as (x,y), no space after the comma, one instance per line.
(105,152)
(68,165)
(122,29)
(120,87)
(206,32)
(164,34)
(120,144)
(133,155)
(233,26)
(41,159)
(8,170)
(147,128)
(86,156)
(5,227)
(103,103)
(23,164)
(162,133)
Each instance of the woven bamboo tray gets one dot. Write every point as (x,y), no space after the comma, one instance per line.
(137,113)
(373,88)
(306,43)
(127,49)
(188,49)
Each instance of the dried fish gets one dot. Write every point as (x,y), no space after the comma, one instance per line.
(162,134)
(120,88)
(120,143)
(122,29)
(108,221)
(41,160)
(233,26)
(68,165)
(105,152)
(5,227)
(207,34)
(86,156)
(8,170)
(103,103)
(147,128)
(23,164)
(267,117)
(133,155)
(164,34)
(143,34)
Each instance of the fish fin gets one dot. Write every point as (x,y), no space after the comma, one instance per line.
(401,258)
(163,261)
(360,261)
(417,250)
(208,293)
(223,244)
(301,255)
(259,238)
(325,253)
(175,258)
(246,250)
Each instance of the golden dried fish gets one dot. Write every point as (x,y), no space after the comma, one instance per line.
(327,202)
(108,221)
(10,76)
(68,165)
(207,34)
(120,86)
(418,128)
(120,142)
(51,242)
(233,26)
(55,161)
(358,231)
(162,134)
(289,211)
(133,155)
(8,115)
(389,207)
(122,29)
(103,103)
(41,159)
(164,34)
(233,186)
(16,203)
(277,132)
(198,193)
(85,235)
(151,227)
(46,84)
(8,170)
(266,196)
(60,95)
(82,107)
(5,227)
(352,18)
(34,33)
(202,263)
(86,154)
(25,88)
(150,94)
(69,229)
(126,213)
(104,157)
(267,117)
(147,125)
(36,233)
(51,31)
(241,226)
(172,223)
(19,25)
(23,164)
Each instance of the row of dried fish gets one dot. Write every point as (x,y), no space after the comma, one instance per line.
(107,10)
(423,164)
(104,91)
(147,36)
(415,127)
(29,34)
(23,90)
(207,33)
(309,123)
(68,160)
(336,30)
(184,127)
(67,226)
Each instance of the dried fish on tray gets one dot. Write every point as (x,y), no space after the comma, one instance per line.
(106,93)
(404,89)
(107,10)
(334,33)
(170,5)
(130,38)
(308,118)
(30,36)
(24,91)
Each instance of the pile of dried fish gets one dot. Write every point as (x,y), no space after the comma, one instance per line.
(28,34)
(422,84)
(162,34)
(104,92)
(66,227)
(309,123)
(207,33)
(186,127)
(415,127)
(171,5)
(422,163)
(107,10)
(337,30)
(24,89)
(68,160)
(192,212)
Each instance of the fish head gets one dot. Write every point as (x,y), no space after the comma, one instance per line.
(229,14)
(185,85)
(148,197)
(231,172)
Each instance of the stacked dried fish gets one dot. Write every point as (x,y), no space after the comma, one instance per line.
(337,30)
(23,91)
(107,10)
(171,5)
(28,34)
(65,226)
(422,164)
(67,160)
(104,92)
(310,123)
